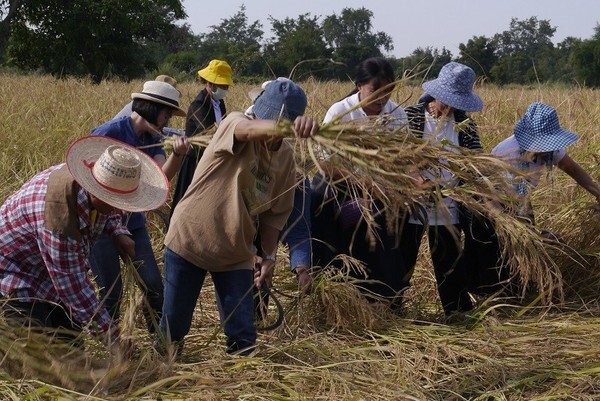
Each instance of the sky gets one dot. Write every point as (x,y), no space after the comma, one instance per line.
(414,23)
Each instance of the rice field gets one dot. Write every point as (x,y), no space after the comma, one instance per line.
(333,344)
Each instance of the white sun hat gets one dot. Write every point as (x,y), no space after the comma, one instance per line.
(163,93)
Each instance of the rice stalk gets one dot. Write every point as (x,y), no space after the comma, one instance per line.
(377,163)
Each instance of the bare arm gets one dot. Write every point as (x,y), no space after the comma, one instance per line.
(269,239)
(263,130)
(171,165)
(582,178)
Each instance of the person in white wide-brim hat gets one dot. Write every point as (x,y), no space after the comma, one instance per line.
(127,110)
(47,229)
(152,110)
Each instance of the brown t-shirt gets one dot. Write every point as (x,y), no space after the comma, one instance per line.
(236,187)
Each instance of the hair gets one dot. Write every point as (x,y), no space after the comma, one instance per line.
(149,110)
(376,69)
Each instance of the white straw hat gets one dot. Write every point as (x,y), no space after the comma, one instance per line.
(163,93)
(117,173)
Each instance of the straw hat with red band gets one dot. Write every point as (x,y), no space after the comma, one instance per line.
(117,174)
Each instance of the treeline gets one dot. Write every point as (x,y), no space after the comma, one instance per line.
(129,39)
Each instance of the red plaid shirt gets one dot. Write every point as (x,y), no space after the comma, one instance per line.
(36,264)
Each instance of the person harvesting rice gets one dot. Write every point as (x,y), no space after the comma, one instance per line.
(243,186)
(48,227)
(538,144)
(440,117)
(205,111)
(152,110)
(338,224)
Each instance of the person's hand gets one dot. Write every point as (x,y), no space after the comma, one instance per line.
(181,145)
(305,127)
(125,246)
(305,281)
(263,274)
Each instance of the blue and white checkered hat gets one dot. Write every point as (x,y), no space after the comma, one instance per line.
(454,87)
(539,130)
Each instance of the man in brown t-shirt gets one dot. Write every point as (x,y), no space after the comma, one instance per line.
(243,186)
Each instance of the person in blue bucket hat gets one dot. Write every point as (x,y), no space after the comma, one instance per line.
(441,117)
(243,187)
(538,143)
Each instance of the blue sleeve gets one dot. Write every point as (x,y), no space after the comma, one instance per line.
(296,232)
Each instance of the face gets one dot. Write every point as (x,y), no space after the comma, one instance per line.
(535,156)
(217,91)
(103,207)
(439,109)
(375,95)
(163,117)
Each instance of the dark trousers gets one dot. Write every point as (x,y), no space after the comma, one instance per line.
(386,256)
(106,265)
(51,318)
(445,250)
(183,282)
(481,259)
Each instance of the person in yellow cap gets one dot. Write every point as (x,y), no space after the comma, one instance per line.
(207,109)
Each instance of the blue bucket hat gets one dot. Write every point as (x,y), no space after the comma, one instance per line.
(454,87)
(282,98)
(539,130)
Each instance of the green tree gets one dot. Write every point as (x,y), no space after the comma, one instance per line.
(177,46)
(98,38)
(235,41)
(586,60)
(424,63)
(297,42)
(523,51)
(478,53)
(564,70)
(351,38)
(8,11)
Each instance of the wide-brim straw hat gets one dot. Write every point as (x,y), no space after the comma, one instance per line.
(217,72)
(454,87)
(117,173)
(539,130)
(162,93)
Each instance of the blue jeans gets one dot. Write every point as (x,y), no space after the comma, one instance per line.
(105,263)
(183,282)
(296,233)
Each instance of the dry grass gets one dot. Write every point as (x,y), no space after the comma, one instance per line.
(334,345)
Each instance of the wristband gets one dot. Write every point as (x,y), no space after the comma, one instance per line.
(271,257)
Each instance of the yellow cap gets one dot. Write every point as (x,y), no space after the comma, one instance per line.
(217,72)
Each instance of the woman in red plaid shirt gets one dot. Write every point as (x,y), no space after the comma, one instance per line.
(47,229)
